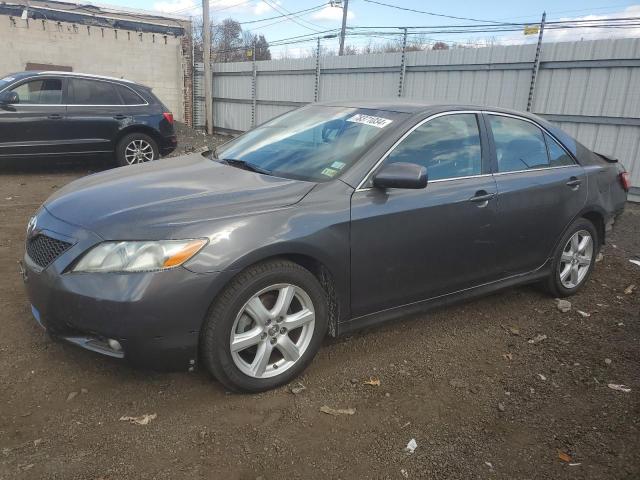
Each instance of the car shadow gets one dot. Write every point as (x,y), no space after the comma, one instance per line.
(42,165)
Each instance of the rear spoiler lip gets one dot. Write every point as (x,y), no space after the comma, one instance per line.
(607,158)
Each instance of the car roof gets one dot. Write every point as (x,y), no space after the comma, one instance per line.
(35,73)
(416,106)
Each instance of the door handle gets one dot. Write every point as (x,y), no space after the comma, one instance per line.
(55,116)
(119,117)
(482,196)
(574,183)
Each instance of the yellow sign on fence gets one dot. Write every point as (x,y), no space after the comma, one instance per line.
(531,29)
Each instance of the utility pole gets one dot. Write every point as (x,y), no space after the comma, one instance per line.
(254,73)
(403,63)
(536,64)
(345,8)
(208,80)
(316,90)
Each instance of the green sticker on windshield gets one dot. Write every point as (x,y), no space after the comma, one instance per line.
(329,172)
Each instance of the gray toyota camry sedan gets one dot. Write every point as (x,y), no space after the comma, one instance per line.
(326,219)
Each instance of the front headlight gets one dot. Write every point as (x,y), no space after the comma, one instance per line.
(138,256)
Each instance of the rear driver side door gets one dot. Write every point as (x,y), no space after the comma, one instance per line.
(541,189)
(95,114)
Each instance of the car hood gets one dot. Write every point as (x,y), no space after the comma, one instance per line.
(160,198)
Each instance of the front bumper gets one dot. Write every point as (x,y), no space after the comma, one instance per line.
(155,316)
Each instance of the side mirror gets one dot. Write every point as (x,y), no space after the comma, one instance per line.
(401,175)
(9,98)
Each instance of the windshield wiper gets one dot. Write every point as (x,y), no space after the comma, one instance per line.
(245,165)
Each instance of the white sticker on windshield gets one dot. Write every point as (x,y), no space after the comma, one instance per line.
(338,165)
(7,79)
(377,122)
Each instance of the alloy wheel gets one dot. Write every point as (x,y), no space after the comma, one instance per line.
(576,259)
(272,331)
(138,151)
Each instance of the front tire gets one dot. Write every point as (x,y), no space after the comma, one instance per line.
(136,148)
(265,327)
(574,259)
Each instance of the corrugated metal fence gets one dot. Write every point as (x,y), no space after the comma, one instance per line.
(591,89)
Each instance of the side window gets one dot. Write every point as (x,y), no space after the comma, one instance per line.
(92,92)
(449,146)
(558,157)
(519,144)
(129,97)
(45,91)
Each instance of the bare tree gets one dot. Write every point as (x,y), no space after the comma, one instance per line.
(229,43)
(440,46)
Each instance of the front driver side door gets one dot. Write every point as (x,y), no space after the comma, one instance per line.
(411,245)
(35,124)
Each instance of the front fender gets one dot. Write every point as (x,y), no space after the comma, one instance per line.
(316,228)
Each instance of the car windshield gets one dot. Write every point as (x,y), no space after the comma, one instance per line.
(4,81)
(315,143)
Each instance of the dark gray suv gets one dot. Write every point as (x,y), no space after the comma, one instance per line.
(58,114)
(330,218)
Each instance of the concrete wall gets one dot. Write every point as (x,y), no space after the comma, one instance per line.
(154,60)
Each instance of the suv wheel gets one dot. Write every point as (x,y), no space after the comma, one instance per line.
(574,259)
(265,327)
(136,148)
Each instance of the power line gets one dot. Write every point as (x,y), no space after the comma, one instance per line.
(579,22)
(430,13)
(277,9)
(370,32)
(195,5)
(582,10)
(305,21)
(306,10)
(262,27)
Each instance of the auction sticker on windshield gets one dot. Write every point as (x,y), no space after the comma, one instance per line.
(377,122)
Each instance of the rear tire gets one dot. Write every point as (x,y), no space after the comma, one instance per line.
(573,259)
(136,148)
(265,327)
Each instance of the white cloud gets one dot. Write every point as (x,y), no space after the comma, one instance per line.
(262,8)
(184,7)
(224,8)
(330,13)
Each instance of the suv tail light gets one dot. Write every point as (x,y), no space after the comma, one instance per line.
(625,181)
(169,117)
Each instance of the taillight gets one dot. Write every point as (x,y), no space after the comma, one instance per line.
(625,180)
(169,117)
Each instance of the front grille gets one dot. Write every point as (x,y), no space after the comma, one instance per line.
(43,249)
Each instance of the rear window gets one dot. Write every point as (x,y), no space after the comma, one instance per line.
(558,157)
(129,97)
(519,144)
(92,92)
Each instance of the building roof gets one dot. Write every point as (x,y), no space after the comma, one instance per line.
(99,16)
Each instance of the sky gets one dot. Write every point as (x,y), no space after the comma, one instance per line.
(363,13)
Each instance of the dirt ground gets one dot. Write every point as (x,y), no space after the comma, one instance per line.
(471,384)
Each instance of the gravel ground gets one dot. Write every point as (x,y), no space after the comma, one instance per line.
(471,384)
